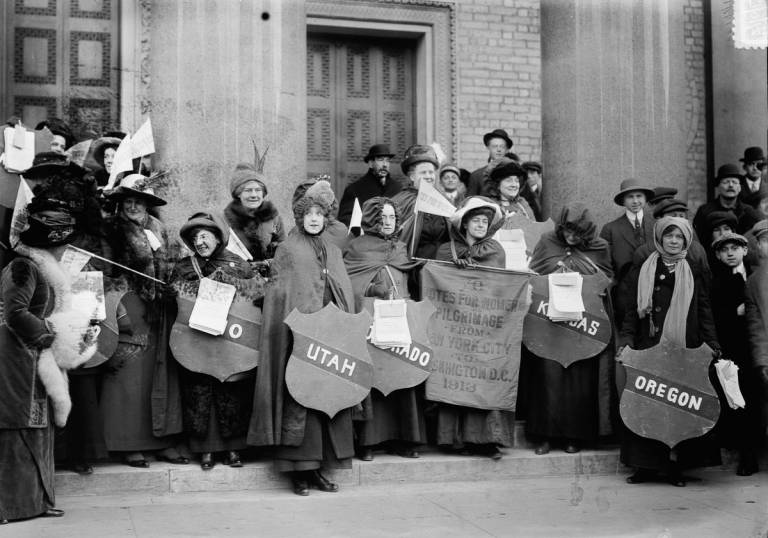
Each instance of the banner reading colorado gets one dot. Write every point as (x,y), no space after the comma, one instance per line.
(475,335)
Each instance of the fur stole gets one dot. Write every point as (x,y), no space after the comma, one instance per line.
(73,343)
(132,248)
(260,229)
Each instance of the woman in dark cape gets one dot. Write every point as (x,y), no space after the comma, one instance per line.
(307,273)
(378,266)
(468,429)
(654,283)
(216,414)
(571,404)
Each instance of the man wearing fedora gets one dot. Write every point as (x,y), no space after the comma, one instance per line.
(376,182)
(753,188)
(498,143)
(728,186)
(625,235)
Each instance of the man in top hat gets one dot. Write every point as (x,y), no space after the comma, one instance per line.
(753,188)
(728,186)
(498,143)
(625,235)
(377,181)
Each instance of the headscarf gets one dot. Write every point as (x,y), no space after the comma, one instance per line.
(682,294)
(371,219)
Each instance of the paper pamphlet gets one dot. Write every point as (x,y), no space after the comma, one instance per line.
(565,303)
(390,324)
(19,149)
(513,242)
(728,374)
(154,242)
(20,217)
(211,309)
(89,281)
(74,260)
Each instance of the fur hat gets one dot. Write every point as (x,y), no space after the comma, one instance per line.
(303,206)
(196,222)
(322,190)
(418,154)
(245,172)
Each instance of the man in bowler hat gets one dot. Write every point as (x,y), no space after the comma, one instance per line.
(753,188)
(377,181)
(498,144)
(728,186)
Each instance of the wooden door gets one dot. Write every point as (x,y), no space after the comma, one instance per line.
(360,92)
(62,58)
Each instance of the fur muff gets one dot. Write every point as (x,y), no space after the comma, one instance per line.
(74,342)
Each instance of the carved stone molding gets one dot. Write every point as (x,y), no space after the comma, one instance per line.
(440,17)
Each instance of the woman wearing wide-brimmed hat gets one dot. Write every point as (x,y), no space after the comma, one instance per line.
(140,394)
(504,185)
(464,428)
(41,335)
(103,151)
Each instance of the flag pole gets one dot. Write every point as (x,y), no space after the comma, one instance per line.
(117,264)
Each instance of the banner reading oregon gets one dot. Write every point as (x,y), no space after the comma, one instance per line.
(475,334)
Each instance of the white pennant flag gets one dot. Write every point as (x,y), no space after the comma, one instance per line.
(79,152)
(123,161)
(236,246)
(429,200)
(20,215)
(357,218)
(142,141)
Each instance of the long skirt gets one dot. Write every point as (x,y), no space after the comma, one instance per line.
(26,472)
(213,441)
(644,453)
(458,425)
(562,402)
(398,416)
(126,393)
(318,448)
(83,437)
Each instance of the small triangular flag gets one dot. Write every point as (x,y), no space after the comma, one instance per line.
(357,218)
(123,161)
(20,215)
(429,200)
(142,142)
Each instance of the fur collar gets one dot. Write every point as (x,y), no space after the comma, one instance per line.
(239,215)
(52,272)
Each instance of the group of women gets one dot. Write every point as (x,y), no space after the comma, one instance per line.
(143,401)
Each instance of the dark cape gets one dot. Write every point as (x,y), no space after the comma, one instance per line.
(576,402)
(486,251)
(756,303)
(260,230)
(215,414)
(365,188)
(307,273)
(399,415)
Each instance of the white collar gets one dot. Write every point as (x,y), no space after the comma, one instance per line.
(631,216)
(741,270)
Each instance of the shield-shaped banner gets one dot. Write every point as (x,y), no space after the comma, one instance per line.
(399,367)
(532,230)
(329,368)
(235,351)
(568,341)
(668,395)
(107,339)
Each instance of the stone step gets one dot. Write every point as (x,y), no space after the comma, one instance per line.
(164,478)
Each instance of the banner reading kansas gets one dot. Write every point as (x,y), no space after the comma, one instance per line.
(475,334)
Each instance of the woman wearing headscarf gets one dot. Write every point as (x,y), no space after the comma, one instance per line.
(378,266)
(216,414)
(253,219)
(669,297)
(504,186)
(42,335)
(468,429)
(568,404)
(307,273)
(140,395)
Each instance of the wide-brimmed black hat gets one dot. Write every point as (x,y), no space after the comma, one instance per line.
(378,150)
(100,145)
(498,133)
(753,154)
(49,163)
(630,185)
(136,185)
(508,168)
(418,153)
(49,224)
(668,205)
(728,170)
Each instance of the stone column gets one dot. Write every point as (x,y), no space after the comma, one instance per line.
(224,72)
(613,99)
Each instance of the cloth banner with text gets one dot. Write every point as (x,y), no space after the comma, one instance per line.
(475,334)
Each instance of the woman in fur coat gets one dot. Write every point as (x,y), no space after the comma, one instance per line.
(140,397)
(41,336)
(252,218)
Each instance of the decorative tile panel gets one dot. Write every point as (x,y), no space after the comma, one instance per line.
(34,56)
(95,114)
(358,134)
(91,9)
(319,134)
(35,7)
(394,131)
(319,70)
(358,72)
(394,75)
(32,109)
(89,54)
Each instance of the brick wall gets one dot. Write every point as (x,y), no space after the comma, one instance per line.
(499,70)
(695,110)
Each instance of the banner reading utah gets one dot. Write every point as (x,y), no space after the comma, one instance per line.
(475,335)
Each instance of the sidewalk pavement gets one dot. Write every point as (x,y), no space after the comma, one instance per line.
(719,505)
